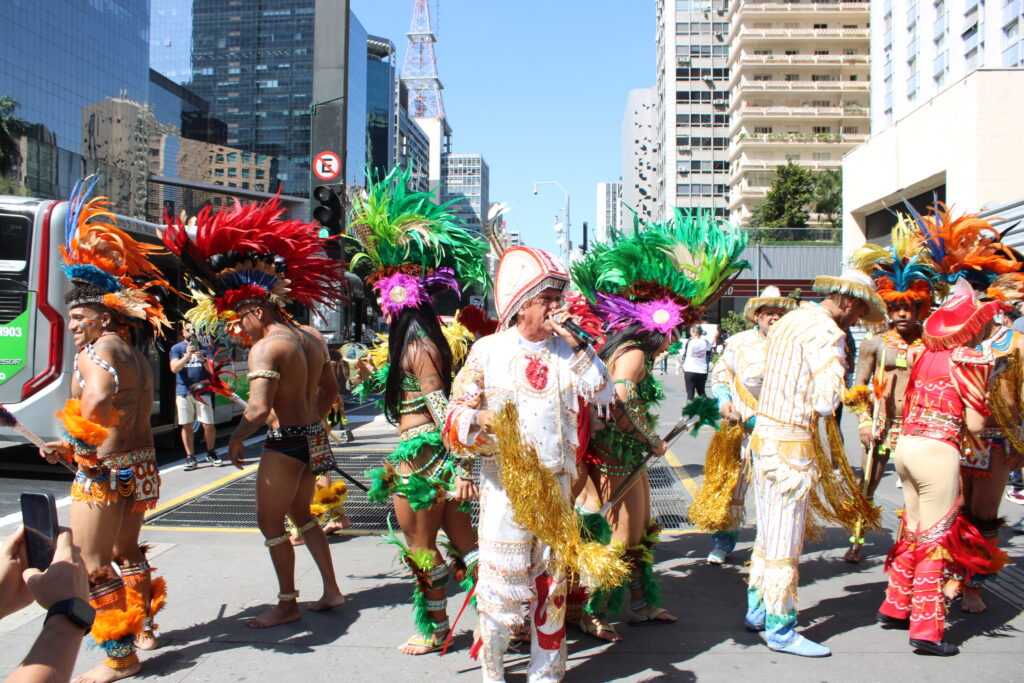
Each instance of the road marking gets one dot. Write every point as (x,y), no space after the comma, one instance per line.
(202,489)
(688,483)
(253,530)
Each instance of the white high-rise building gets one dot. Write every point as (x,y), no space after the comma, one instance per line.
(466,179)
(800,90)
(947,90)
(920,48)
(608,211)
(693,102)
(640,190)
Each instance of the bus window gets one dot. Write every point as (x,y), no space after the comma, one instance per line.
(14,236)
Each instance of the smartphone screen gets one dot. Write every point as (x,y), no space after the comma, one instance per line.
(39,515)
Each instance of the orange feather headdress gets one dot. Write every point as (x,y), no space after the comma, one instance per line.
(106,265)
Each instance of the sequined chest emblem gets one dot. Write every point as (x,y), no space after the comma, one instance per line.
(536,372)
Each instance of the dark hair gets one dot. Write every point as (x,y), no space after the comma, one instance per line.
(649,341)
(84,290)
(411,325)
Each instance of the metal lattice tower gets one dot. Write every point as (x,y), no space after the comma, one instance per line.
(419,73)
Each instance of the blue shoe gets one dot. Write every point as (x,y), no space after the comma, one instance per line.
(802,647)
(754,620)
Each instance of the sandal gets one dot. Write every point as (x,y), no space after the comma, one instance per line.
(654,616)
(594,626)
(431,643)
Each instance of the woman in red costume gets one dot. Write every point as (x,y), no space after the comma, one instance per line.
(945,398)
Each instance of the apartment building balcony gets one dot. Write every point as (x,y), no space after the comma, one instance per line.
(749,116)
(746,144)
(747,88)
(743,166)
(828,6)
(748,59)
(744,37)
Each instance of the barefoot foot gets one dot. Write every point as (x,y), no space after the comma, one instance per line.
(296,539)
(104,674)
(336,525)
(285,612)
(146,641)
(971,601)
(854,553)
(329,600)
(599,628)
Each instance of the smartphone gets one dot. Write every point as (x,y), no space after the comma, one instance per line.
(39,515)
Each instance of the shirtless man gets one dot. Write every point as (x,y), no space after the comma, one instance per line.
(887,357)
(114,384)
(291,388)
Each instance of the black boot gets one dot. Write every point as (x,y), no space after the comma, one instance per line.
(930,647)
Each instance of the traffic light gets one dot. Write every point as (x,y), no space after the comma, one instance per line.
(329,213)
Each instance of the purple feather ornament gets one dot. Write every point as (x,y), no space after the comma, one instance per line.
(662,315)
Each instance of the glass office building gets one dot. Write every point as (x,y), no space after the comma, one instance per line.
(380,103)
(60,56)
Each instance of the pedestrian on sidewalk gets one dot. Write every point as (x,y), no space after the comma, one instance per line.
(291,384)
(187,362)
(696,353)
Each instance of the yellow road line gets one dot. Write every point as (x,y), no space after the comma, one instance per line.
(201,490)
(253,530)
(688,483)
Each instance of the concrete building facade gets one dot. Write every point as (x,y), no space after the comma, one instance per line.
(641,185)
(799,80)
(465,179)
(693,101)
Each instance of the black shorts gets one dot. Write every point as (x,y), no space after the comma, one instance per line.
(306,443)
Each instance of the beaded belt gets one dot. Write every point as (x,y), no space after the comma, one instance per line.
(413,432)
(296,430)
(127,458)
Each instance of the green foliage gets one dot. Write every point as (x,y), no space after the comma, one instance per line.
(11,129)
(733,323)
(828,196)
(10,186)
(785,204)
(795,294)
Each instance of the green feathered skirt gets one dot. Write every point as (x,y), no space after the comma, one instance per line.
(427,484)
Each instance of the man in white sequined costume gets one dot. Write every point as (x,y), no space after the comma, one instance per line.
(803,379)
(540,366)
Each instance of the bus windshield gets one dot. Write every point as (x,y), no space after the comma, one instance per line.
(15,232)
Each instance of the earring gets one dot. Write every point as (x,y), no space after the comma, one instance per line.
(104,325)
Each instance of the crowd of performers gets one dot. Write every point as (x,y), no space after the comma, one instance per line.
(546,416)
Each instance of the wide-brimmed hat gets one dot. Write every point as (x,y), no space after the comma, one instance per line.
(957,321)
(770,296)
(855,283)
(523,273)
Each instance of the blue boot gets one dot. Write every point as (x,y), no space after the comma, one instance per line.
(722,543)
(782,637)
(754,621)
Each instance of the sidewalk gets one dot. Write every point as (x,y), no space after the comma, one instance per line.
(219,578)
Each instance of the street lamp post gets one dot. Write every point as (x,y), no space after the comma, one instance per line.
(568,221)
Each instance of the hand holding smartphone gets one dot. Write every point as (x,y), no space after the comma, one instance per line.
(39,515)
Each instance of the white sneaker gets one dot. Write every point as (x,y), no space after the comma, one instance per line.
(717,556)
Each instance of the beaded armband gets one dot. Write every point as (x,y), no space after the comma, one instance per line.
(263,374)
(437,404)
(636,413)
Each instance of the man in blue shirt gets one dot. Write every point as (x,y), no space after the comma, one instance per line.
(187,358)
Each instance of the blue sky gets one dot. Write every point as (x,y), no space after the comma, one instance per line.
(539,89)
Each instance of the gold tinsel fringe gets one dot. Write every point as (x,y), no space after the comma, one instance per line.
(711,508)
(539,506)
(1009,381)
(841,500)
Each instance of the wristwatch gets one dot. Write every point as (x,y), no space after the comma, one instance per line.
(77,610)
(579,347)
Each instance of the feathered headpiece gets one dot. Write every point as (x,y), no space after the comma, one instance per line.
(964,247)
(106,266)
(904,272)
(251,253)
(414,247)
(665,275)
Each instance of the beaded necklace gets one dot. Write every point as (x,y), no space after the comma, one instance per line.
(892,338)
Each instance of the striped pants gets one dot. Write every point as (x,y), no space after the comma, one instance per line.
(783,476)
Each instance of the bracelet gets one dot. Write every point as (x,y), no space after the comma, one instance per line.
(263,374)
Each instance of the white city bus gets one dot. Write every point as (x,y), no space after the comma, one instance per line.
(36,352)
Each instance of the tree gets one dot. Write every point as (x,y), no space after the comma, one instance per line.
(785,204)
(828,196)
(11,129)
(733,322)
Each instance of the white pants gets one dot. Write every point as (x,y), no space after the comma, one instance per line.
(188,406)
(782,487)
(512,573)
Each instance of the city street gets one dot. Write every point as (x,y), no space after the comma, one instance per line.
(219,577)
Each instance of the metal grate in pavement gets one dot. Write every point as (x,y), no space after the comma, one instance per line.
(233,505)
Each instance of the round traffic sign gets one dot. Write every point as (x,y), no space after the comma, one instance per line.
(326,165)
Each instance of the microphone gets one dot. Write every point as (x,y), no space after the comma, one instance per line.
(578,332)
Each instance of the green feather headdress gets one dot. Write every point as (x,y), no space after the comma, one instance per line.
(401,231)
(687,260)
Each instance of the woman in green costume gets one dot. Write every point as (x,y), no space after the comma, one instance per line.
(416,247)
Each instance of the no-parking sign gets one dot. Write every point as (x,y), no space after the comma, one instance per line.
(326,165)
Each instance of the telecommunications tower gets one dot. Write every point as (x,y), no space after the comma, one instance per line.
(419,73)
